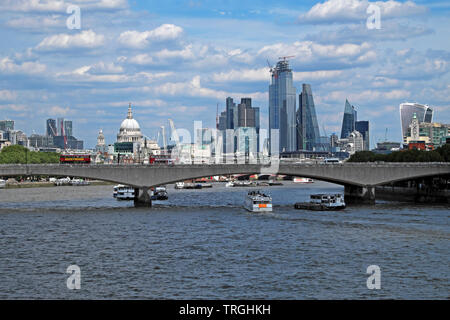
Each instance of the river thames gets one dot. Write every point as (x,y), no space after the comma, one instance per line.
(202,244)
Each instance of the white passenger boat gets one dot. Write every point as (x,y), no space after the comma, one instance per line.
(160,193)
(257,201)
(303,180)
(179,185)
(79,182)
(323,202)
(2,184)
(123,192)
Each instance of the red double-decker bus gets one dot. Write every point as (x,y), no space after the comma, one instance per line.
(161,159)
(75,158)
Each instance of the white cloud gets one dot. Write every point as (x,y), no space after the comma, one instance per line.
(60,5)
(105,68)
(355,10)
(8,66)
(7,95)
(317,75)
(186,53)
(357,33)
(367,96)
(59,111)
(244,75)
(139,103)
(14,107)
(164,56)
(263,74)
(315,55)
(415,66)
(195,89)
(36,23)
(108,73)
(139,40)
(87,39)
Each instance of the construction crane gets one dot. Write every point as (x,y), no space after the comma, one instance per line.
(271,69)
(285,58)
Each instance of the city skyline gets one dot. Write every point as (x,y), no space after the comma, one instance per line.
(169,65)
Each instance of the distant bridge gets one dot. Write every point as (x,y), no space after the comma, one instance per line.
(359,179)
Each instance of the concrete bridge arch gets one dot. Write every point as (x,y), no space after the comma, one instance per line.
(359,179)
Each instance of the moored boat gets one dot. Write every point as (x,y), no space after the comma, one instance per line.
(179,185)
(123,192)
(257,201)
(323,202)
(2,184)
(303,180)
(275,183)
(160,193)
(79,182)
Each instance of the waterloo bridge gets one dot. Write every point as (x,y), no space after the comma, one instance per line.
(359,179)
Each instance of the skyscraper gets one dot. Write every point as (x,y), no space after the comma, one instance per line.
(308,134)
(51,128)
(60,124)
(282,106)
(363,128)
(348,122)
(247,102)
(238,124)
(68,128)
(231,113)
(246,116)
(407,110)
(6,125)
(223,121)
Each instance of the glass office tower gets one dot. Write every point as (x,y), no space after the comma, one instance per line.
(407,110)
(68,128)
(348,122)
(363,128)
(308,134)
(51,128)
(282,106)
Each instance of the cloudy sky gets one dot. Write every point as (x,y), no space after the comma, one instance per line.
(178,59)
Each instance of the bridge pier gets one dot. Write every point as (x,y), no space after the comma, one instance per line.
(142,198)
(359,195)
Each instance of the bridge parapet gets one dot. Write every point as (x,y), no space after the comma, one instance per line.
(138,175)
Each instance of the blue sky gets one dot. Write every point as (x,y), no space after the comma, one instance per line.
(178,59)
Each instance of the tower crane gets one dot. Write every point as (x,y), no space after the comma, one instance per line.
(285,58)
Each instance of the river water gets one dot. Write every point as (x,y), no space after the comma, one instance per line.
(201,244)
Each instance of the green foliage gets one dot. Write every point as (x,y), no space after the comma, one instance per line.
(444,151)
(441,154)
(18,154)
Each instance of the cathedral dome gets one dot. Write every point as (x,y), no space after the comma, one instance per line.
(129,124)
(129,131)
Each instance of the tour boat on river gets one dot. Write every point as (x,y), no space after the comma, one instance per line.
(303,180)
(160,193)
(323,202)
(123,192)
(257,201)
